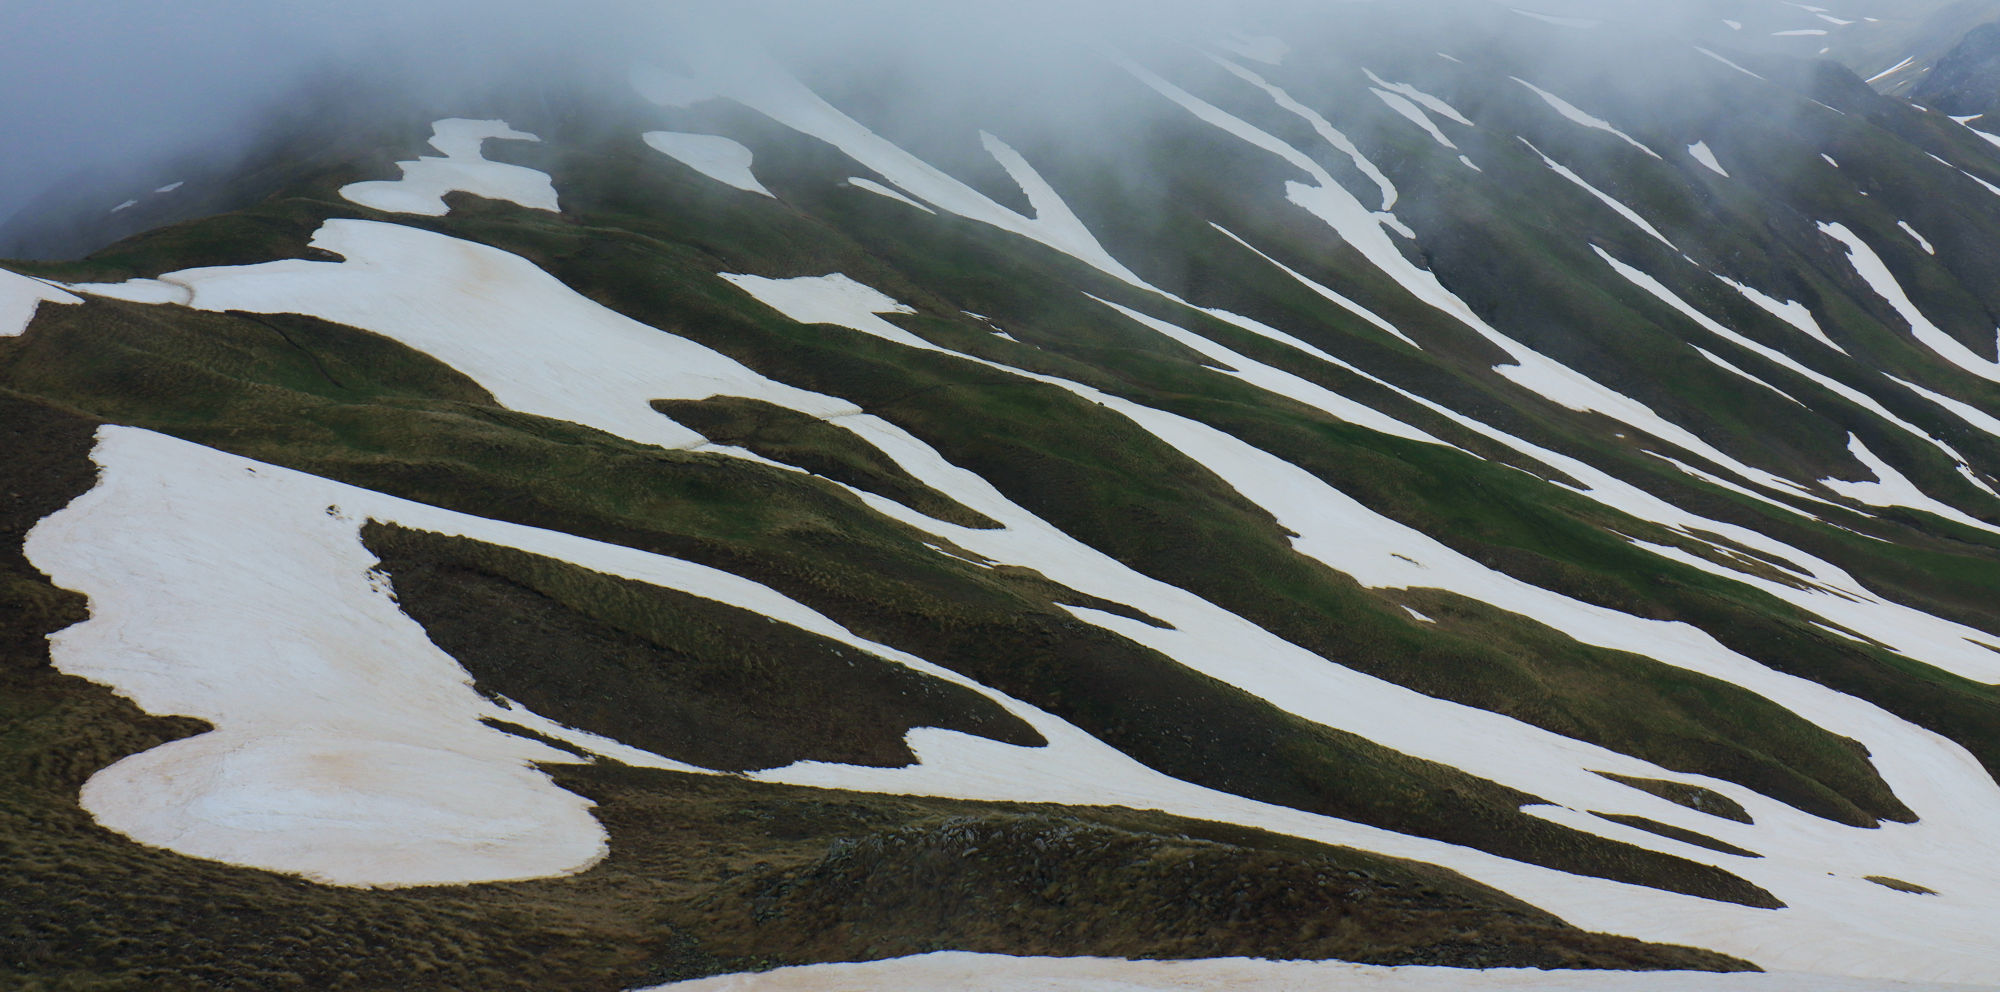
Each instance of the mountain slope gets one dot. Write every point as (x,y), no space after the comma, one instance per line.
(752,524)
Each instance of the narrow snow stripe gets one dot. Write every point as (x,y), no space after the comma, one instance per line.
(1579,116)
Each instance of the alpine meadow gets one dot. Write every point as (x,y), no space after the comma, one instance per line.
(1403,495)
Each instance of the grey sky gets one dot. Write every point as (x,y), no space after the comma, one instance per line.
(103,83)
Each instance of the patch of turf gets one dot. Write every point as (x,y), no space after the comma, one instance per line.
(1890,882)
(684,677)
(814,445)
(1681,834)
(1693,797)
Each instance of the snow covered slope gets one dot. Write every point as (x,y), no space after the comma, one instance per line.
(1499,491)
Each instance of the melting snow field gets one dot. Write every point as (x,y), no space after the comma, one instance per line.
(347,747)
(964,972)
(462,169)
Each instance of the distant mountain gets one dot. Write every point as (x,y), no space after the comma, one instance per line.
(1966,82)
(1473,489)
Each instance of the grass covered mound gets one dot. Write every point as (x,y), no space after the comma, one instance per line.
(681,676)
(819,447)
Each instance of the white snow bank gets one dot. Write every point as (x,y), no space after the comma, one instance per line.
(1841,389)
(878,189)
(1724,364)
(1366,231)
(753,79)
(1922,242)
(21,296)
(170,187)
(1892,488)
(1878,277)
(1706,156)
(347,747)
(462,169)
(535,344)
(1790,311)
(1892,70)
(127,205)
(1323,128)
(1330,295)
(1414,114)
(962,971)
(1607,199)
(1429,102)
(831,299)
(1727,62)
(1965,411)
(1577,115)
(721,159)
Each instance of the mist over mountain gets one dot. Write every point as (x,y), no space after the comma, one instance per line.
(1443,495)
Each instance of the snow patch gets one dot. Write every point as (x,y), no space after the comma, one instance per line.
(21,296)
(1728,63)
(1841,389)
(1892,488)
(1607,199)
(831,299)
(1577,115)
(1791,312)
(1342,301)
(538,346)
(963,971)
(1878,277)
(462,169)
(1892,70)
(347,747)
(1414,114)
(1922,242)
(871,186)
(1325,130)
(1705,156)
(1427,101)
(753,79)
(722,159)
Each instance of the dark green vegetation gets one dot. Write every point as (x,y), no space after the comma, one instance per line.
(1899,885)
(1681,834)
(683,677)
(1693,797)
(814,445)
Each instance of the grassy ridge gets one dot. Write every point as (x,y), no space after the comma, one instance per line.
(684,677)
